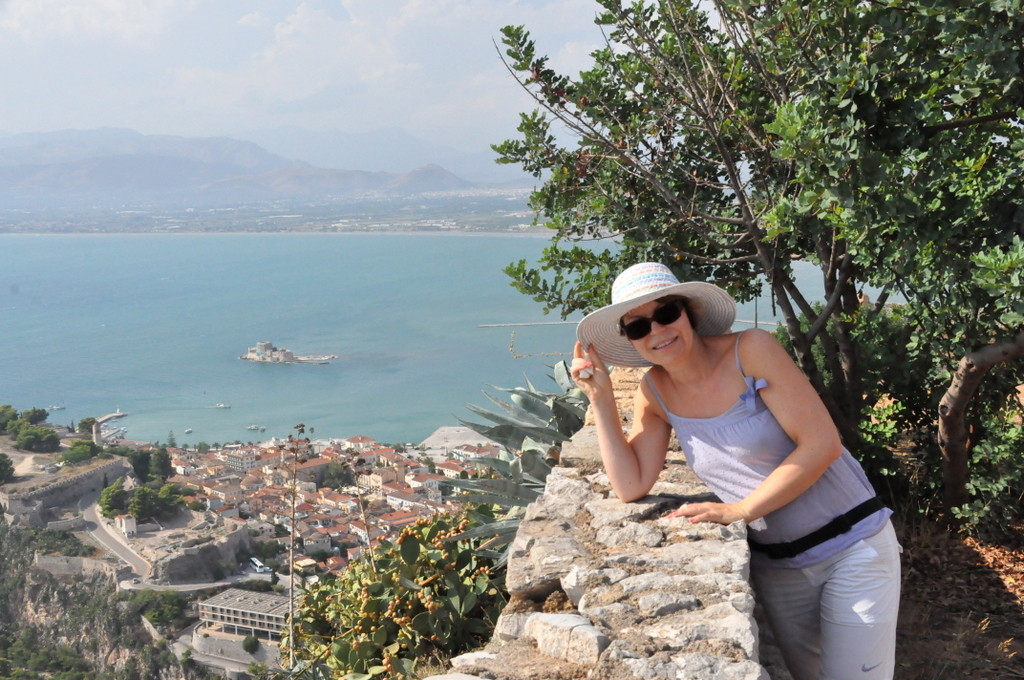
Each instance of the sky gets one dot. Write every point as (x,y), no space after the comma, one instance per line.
(225,67)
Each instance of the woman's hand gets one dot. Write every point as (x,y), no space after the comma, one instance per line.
(719,513)
(589,372)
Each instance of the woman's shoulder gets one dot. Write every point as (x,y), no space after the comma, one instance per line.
(761,354)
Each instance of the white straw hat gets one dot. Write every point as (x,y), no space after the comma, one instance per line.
(713,309)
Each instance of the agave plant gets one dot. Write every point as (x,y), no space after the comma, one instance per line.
(532,418)
(531,426)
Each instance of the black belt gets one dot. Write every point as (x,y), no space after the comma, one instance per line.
(840,525)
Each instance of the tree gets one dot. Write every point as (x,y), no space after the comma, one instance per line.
(140,461)
(80,451)
(160,464)
(114,498)
(85,425)
(6,469)
(144,503)
(8,414)
(36,438)
(877,141)
(168,499)
(34,416)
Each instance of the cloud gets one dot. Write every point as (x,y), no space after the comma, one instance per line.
(128,20)
(208,67)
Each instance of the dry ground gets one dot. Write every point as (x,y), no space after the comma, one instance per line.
(962,610)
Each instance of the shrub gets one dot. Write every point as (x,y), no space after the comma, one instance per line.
(425,594)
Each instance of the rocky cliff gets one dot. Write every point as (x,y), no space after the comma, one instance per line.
(54,605)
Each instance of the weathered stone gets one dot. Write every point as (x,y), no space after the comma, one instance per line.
(535,573)
(567,636)
(630,535)
(472,659)
(663,604)
(511,626)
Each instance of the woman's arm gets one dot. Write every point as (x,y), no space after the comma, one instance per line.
(632,464)
(801,413)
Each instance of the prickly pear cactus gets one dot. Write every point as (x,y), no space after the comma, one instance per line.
(422,594)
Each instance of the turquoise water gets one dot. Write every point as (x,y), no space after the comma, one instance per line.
(153,325)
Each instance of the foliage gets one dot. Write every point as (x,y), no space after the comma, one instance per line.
(7,414)
(879,141)
(34,416)
(162,607)
(161,467)
(34,437)
(337,475)
(85,425)
(88,623)
(997,483)
(114,498)
(419,596)
(80,451)
(144,502)
(141,462)
(532,419)
(6,469)
(250,644)
(517,481)
(531,427)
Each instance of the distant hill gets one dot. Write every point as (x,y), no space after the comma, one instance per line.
(383,150)
(110,167)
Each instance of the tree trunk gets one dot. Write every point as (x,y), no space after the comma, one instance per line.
(954,442)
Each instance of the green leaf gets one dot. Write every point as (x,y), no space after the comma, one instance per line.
(410,549)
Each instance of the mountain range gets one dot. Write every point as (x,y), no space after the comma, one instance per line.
(118,167)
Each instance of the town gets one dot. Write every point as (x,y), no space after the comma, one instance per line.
(287,510)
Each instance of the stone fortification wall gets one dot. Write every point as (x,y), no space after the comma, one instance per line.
(605,589)
(29,508)
(72,524)
(62,566)
(203,563)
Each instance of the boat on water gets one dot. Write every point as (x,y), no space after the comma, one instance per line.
(222,405)
(188,430)
(55,407)
(261,428)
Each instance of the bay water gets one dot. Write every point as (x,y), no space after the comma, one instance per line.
(153,325)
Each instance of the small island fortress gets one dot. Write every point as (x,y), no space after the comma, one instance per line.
(266,352)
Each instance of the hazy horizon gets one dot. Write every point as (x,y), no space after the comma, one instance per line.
(244,69)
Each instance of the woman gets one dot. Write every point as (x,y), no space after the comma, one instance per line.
(824,556)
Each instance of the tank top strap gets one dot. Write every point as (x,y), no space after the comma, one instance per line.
(657,395)
(739,364)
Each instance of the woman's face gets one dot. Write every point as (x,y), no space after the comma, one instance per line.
(659,330)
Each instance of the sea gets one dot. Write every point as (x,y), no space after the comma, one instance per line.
(152,326)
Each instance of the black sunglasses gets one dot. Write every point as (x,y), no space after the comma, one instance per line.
(664,315)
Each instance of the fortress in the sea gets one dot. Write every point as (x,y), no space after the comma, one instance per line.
(266,352)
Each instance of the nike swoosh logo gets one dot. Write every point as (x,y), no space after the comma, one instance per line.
(867,669)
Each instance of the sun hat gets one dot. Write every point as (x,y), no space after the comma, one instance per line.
(713,309)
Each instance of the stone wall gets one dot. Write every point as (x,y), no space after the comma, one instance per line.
(31,507)
(60,565)
(608,590)
(202,563)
